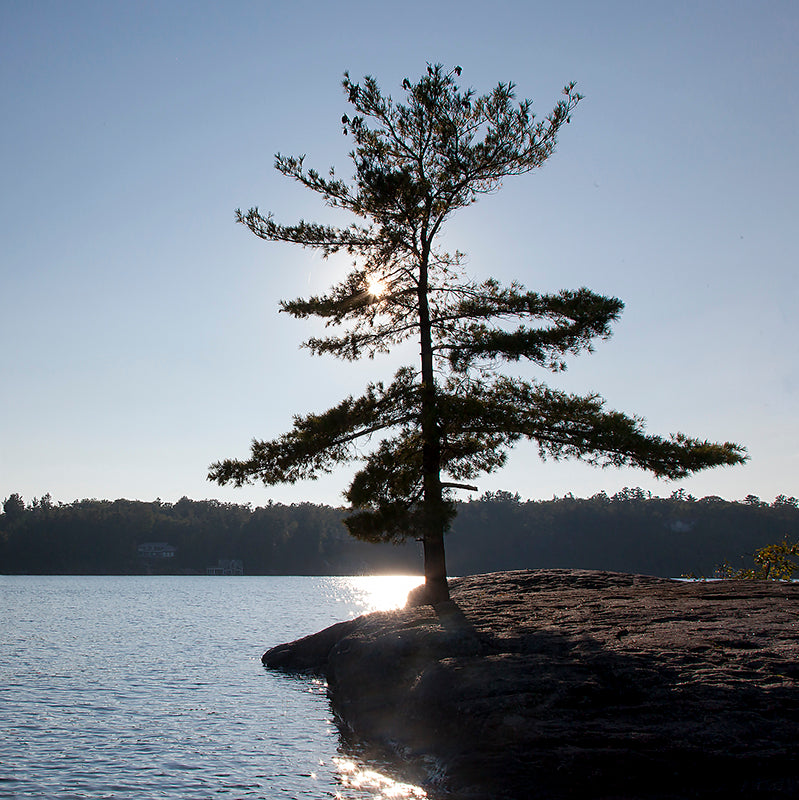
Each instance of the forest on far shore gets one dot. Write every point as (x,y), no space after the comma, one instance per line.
(631,531)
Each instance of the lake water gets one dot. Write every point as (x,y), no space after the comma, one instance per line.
(152,687)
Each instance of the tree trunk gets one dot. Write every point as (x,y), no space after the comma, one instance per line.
(434,516)
(435,567)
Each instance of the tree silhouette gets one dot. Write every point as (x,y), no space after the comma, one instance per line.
(13,506)
(454,415)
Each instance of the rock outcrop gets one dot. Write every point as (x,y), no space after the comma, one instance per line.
(561,684)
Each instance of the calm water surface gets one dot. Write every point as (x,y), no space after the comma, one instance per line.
(152,687)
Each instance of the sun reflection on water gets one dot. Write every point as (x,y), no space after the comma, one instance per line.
(370,783)
(356,779)
(379,592)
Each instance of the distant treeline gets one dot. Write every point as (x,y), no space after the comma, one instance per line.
(630,531)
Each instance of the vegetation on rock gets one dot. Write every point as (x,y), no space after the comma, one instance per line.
(774,562)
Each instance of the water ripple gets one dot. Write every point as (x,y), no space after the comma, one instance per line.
(152,687)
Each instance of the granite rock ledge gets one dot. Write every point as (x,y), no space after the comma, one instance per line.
(569,683)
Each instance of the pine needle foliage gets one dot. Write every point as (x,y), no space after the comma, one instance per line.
(454,415)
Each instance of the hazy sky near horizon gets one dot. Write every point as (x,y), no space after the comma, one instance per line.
(140,330)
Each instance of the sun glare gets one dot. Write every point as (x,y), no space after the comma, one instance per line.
(372,783)
(375,287)
(384,592)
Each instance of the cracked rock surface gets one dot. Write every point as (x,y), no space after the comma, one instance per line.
(573,683)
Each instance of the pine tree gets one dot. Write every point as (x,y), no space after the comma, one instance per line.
(454,415)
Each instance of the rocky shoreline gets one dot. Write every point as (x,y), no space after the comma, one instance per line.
(571,683)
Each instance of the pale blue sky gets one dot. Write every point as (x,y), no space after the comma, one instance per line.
(140,331)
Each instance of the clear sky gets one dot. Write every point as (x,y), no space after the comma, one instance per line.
(141,339)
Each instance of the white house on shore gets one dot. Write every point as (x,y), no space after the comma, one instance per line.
(156,550)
